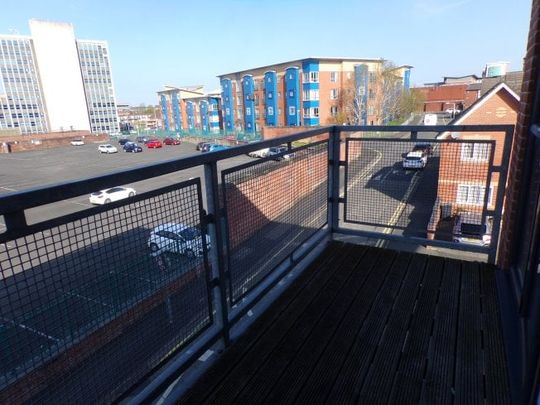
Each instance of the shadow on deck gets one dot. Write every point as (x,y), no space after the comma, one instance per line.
(369,325)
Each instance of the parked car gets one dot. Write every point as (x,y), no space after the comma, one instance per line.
(216,147)
(107,148)
(171,141)
(153,143)
(177,238)
(279,153)
(132,147)
(427,148)
(468,228)
(77,142)
(200,145)
(111,194)
(261,153)
(430,119)
(453,111)
(206,147)
(142,139)
(123,141)
(415,160)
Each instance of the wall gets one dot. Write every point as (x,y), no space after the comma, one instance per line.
(23,143)
(438,97)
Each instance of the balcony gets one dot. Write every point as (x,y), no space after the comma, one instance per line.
(333,272)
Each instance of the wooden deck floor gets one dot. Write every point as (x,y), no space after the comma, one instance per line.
(367,325)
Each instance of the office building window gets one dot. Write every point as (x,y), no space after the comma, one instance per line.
(333,77)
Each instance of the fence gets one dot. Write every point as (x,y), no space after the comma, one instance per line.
(92,302)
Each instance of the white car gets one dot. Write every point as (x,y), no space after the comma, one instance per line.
(107,148)
(261,153)
(415,160)
(77,142)
(111,194)
(453,111)
(177,238)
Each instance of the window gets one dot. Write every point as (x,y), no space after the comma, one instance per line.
(333,77)
(333,110)
(371,94)
(248,111)
(334,94)
(311,77)
(292,110)
(371,77)
(270,95)
(370,110)
(475,152)
(312,112)
(291,93)
(270,110)
(472,194)
(311,95)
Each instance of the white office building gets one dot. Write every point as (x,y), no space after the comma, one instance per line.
(50,82)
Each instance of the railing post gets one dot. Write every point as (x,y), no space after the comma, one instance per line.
(215,254)
(334,145)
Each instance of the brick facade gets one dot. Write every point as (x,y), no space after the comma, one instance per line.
(516,190)
(21,143)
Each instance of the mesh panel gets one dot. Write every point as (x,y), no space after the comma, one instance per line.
(92,296)
(421,188)
(272,207)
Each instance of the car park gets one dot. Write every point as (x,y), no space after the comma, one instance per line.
(153,143)
(171,141)
(469,228)
(216,147)
(77,142)
(132,147)
(123,141)
(415,160)
(107,148)
(279,153)
(111,194)
(177,238)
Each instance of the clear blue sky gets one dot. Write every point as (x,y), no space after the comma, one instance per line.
(186,42)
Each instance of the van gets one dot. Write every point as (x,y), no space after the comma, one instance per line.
(430,119)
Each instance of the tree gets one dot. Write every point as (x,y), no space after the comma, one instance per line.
(379,95)
(412,100)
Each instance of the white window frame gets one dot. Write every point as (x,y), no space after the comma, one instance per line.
(248,110)
(473,194)
(310,95)
(270,110)
(478,153)
(334,94)
(333,110)
(312,112)
(311,77)
(334,77)
(292,110)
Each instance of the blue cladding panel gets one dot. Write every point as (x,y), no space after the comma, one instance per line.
(228,110)
(203,108)
(176,111)
(213,114)
(270,98)
(311,65)
(311,122)
(292,97)
(361,80)
(164,112)
(249,104)
(407,79)
(190,110)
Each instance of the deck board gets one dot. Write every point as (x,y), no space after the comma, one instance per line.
(369,325)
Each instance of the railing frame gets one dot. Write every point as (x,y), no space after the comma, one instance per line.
(13,206)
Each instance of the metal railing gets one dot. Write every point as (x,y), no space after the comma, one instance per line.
(109,293)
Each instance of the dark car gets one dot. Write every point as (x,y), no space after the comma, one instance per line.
(132,147)
(200,145)
(123,141)
(142,139)
(153,143)
(427,148)
(206,147)
(279,153)
(171,141)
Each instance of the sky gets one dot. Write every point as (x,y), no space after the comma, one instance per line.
(183,43)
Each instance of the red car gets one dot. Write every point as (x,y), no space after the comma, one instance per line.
(153,143)
(171,141)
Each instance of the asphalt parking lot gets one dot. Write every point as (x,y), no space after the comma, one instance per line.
(26,170)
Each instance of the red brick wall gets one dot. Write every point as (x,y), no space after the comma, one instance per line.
(439,97)
(508,250)
(21,143)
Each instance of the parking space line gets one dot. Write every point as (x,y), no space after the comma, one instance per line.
(83,204)
(30,329)
(7,188)
(72,294)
